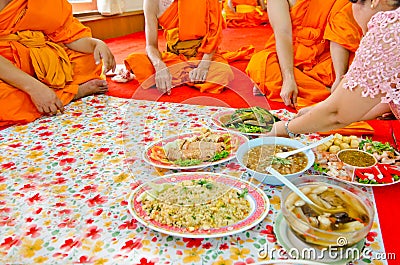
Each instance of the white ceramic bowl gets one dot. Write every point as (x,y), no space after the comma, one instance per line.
(267,178)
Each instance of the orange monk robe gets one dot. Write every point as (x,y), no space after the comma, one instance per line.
(248,14)
(188,37)
(315,23)
(53,20)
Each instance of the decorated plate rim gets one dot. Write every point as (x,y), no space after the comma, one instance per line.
(258,214)
(232,155)
(215,119)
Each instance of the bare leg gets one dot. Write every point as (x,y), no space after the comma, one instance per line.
(378,112)
(95,86)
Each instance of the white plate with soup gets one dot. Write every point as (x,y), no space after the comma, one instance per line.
(258,154)
(198,205)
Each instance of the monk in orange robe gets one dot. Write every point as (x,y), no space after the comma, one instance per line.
(245,13)
(312,46)
(193,30)
(47,59)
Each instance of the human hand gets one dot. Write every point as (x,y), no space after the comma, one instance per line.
(163,80)
(278,129)
(46,100)
(101,51)
(303,111)
(289,93)
(198,75)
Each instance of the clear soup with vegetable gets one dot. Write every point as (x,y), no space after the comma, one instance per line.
(323,228)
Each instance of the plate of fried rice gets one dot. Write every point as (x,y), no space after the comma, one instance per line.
(198,204)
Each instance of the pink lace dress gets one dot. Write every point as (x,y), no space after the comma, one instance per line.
(376,66)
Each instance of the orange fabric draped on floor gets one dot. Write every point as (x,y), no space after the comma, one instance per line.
(314,24)
(188,37)
(248,14)
(32,33)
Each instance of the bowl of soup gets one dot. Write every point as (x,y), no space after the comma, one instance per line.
(321,229)
(258,154)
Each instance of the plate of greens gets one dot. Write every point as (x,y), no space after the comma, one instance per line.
(193,150)
(253,121)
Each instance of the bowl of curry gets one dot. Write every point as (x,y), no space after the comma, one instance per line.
(356,158)
(258,154)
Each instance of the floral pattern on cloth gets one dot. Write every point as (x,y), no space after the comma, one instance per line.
(376,66)
(65,182)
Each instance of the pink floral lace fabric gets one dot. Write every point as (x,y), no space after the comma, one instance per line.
(376,66)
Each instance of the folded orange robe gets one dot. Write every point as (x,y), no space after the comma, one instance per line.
(248,14)
(32,34)
(356,128)
(315,23)
(191,29)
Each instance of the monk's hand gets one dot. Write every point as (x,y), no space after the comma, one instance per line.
(46,101)
(163,80)
(199,74)
(102,52)
(289,93)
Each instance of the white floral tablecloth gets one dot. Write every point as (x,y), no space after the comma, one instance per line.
(65,182)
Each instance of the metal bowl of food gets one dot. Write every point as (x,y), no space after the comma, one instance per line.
(258,154)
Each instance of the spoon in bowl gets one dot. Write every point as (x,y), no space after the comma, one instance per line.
(289,153)
(302,196)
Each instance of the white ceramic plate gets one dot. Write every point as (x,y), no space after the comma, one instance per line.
(236,141)
(258,200)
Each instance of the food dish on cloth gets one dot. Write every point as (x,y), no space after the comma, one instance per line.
(198,204)
(385,172)
(193,150)
(322,228)
(258,154)
(254,121)
(297,249)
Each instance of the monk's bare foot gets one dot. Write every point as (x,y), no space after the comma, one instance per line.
(95,86)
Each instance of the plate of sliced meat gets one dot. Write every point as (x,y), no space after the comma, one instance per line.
(194,150)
